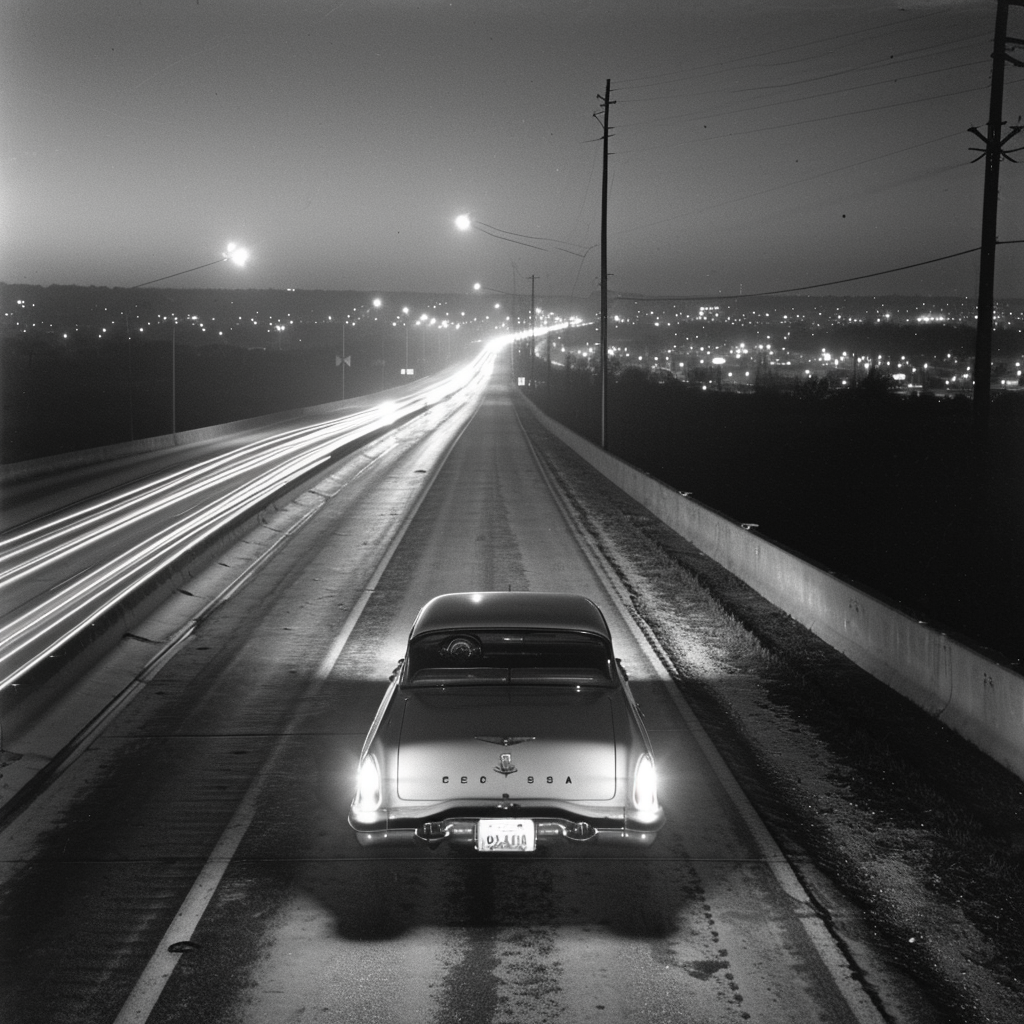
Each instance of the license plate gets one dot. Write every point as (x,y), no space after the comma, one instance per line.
(506,835)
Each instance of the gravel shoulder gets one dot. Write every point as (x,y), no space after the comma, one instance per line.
(878,806)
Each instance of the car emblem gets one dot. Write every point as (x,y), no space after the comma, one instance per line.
(506,767)
(505,741)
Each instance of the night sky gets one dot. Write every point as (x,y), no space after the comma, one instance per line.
(757,144)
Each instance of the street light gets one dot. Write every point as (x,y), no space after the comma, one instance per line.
(237,254)
(408,370)
(464,222)
(423,322)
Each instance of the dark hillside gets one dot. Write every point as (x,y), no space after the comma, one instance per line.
(59,397)
(885,491)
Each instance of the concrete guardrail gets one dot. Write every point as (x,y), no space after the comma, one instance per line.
(976,696)
(12,472)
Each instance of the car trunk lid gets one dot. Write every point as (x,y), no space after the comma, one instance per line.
(507,742)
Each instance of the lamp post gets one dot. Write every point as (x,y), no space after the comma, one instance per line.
(533,326)
(237,254)
(408,370)
(234,253)
(378,303)
(464,223)
(174,383)
(421,320)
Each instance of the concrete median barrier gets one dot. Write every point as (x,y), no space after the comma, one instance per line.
(29,469)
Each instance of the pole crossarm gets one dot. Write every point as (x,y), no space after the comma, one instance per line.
(1004,154)
(1014,60)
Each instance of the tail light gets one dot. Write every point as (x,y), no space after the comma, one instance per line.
(645,785)
(368,786)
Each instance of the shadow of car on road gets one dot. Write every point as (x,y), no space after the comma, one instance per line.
(384,894)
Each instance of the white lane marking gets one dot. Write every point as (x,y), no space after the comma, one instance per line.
(157,972)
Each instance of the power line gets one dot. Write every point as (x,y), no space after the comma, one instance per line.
(887,62)
(864,85)
(811,287)
(893,60)
(788,184)
(848,113)
(803,99)
(505,238)
(635,83)
(512,235)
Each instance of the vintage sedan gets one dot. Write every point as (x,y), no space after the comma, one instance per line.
(508,724)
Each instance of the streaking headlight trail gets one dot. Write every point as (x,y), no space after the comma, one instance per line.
(59,576)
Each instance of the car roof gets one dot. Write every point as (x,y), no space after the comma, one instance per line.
(501,609)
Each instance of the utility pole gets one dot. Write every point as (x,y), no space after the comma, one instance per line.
(131,402)
(993,155)
(533,326)
(547,376)
(174,381)
(517,345)
(606,104)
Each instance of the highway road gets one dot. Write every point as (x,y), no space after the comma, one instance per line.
(192,863)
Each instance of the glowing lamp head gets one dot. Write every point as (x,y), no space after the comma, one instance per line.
(237,254)
(462,222)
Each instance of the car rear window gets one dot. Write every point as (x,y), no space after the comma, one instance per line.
(529,658)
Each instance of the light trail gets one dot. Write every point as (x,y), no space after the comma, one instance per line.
(61,575)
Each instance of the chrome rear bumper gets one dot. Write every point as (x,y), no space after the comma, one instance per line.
(462,831)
